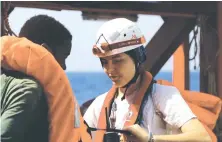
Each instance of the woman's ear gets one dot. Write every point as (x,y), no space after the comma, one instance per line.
(47,47)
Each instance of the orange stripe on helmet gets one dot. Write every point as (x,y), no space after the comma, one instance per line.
(108,47)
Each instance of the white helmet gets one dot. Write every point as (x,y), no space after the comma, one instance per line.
(117,36)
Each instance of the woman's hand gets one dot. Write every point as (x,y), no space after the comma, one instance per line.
(138,134)
(192,131)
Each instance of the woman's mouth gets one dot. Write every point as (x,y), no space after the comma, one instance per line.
(114,78)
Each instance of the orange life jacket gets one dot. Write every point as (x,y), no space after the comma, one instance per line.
(206,107)
(135,107)
(65,120)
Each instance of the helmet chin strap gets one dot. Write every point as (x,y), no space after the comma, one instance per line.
(133,80)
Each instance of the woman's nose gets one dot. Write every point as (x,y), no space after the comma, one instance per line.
(110,67)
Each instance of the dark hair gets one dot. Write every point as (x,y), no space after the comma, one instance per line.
(44,29)
(138,55)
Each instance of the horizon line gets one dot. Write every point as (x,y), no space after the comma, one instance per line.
(103,72)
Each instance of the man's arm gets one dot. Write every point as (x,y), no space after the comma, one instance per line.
(22,100)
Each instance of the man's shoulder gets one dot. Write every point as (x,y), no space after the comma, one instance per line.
(17,78)
(29,81)
(21,83)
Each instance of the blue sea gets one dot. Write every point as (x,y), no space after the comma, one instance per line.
(87,85)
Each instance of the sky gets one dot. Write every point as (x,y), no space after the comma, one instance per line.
(81,58)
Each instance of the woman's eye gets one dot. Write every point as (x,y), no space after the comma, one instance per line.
(117,61)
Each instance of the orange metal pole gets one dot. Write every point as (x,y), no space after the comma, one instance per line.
(181,76)
(179,68)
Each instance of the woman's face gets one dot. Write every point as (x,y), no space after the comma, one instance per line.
(120,68)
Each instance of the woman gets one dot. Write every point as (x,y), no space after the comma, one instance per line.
(150,111)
